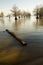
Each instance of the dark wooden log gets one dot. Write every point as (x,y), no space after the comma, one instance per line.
(16,37)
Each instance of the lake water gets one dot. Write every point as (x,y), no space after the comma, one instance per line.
(27,28)
(23,26)
(11,51)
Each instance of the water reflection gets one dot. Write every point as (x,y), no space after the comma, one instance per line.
(38,23)
(16,24)
(2,20)
(41,22)
(21,25)
(1,24)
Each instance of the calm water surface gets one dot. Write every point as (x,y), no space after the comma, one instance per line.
(30,29)
(22,26)
(11,51)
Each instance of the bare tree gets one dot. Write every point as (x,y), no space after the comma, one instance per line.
(41,12)
(26,14)
(15,11)
(38,12)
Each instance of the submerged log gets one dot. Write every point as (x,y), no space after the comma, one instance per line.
(16,37)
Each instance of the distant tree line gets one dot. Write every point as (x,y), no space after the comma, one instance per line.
(16,12)
(38,12)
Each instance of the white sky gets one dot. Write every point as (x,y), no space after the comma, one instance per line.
(6,5)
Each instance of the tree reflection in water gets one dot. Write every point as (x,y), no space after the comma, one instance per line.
(1,24)
(18,23)
(38,23)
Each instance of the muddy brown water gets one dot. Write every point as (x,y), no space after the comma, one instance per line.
(11,50)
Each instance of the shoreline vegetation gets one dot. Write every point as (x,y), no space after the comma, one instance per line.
(17,13)
(38,12)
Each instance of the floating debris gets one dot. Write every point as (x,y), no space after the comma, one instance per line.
(16,37)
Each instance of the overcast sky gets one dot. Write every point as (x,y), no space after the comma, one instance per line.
(6,5)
